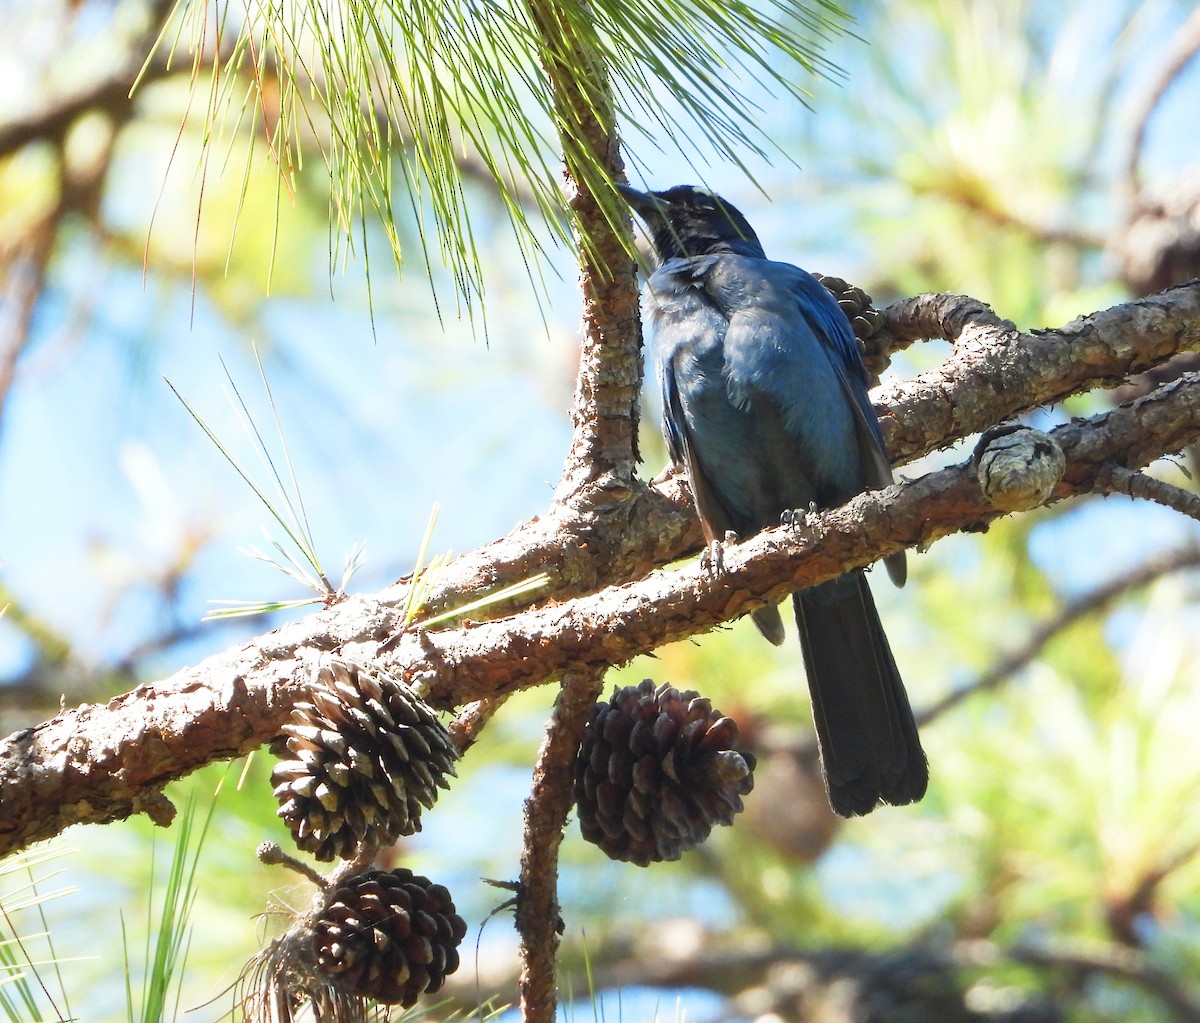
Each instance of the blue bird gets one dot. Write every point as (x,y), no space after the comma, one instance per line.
(765,407)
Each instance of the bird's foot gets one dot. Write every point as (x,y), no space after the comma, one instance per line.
(797,518)
(712,558)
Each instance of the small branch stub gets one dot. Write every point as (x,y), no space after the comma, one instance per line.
(1018,467)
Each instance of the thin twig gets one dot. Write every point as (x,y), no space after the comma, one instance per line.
(1180,51)
(546,812)
(1007,216)
(271,854)
(1119,480)
(1112,960)
(472,720)
(1081,607)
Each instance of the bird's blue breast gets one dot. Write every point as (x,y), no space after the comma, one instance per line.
(758,382)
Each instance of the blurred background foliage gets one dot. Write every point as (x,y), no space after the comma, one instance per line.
(987,147)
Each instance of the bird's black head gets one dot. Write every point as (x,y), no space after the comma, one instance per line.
(688,221)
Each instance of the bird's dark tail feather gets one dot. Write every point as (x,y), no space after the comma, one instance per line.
(767,621)
(870,751)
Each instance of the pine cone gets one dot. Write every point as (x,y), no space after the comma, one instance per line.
(368,755)
(388,935)
(656,770)
(865,320)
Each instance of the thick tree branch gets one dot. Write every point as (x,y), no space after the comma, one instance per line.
(605,413)
(101,763)
(997,372)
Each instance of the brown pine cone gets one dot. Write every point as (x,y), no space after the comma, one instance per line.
(656,771)
(388,935)
(865,320)
(368,754)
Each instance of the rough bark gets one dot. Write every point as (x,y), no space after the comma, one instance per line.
(102,763)
(605,413)
(546,812)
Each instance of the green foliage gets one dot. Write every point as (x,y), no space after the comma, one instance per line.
(166,945)
(33,978)
(983,172)
(403,99)
(286,507)
(26,982)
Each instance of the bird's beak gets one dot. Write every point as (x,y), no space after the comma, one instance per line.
(645,204)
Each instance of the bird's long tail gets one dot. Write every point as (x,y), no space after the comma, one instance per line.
(870,751)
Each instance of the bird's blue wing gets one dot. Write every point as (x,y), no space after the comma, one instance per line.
(789,341)
(832,328)
(834,331)
(673,424)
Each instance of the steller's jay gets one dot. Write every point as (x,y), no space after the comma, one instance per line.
(765,406)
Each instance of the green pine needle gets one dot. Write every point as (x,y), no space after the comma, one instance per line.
(167,941)
(284,499)
(22,969)
(403,99)
(296,530)
(423,576)
(248,608)
(519,589)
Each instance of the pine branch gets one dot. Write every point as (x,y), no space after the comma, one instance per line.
(105,763)
(997,371)
(546,812)
(1081,607)
(605,412)
(1138,484)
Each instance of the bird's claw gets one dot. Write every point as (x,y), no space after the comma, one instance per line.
(712,558)
(796,518)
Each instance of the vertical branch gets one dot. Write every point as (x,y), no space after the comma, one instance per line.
(604,415)
(545,815)
(1180,51)
(26,276)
